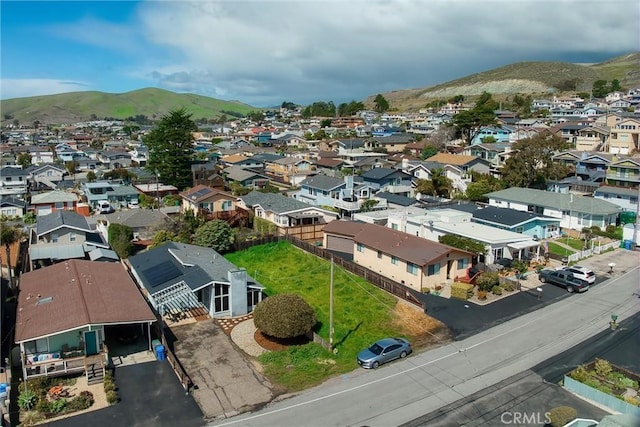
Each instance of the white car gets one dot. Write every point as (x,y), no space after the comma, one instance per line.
(582,273)
(133,204)
(104,207)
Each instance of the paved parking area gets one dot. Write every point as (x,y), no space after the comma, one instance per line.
(225,381)
(150,396)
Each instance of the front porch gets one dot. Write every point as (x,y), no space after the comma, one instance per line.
(60,364)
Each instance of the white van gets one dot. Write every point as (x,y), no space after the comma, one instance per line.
(104,207)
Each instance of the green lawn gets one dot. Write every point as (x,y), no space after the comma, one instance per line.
(362,312)
(559,250)
(577,244)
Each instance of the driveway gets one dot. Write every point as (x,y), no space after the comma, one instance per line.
(225,381)
(150,395)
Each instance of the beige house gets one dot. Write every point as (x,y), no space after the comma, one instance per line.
(625,137)
(591,138)
(203,200)
(407,259)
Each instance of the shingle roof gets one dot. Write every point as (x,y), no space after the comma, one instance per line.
(136,218)
(452,159)
(322,182)
(48,223)
(239,174)
(195,265)
(396,199)
(203,192)
(54,197)
(9,171)
(273,202)
(509,217)
(81,293)
(378,173)
(621,191)
(564,202)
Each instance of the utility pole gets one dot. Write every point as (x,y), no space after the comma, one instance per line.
(331,309)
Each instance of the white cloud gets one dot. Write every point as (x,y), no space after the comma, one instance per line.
(269,51)
(19,88)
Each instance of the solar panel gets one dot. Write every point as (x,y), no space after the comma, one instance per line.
(161,274)
(201,192)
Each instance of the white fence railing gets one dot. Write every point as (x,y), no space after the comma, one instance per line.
(596,250)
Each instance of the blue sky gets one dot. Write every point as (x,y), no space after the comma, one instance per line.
(264,52)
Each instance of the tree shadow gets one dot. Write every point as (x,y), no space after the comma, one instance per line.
(348,333)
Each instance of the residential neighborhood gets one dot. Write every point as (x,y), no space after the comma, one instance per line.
(120,251)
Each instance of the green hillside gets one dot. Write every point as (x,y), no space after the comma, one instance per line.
(78,106)
(540,78)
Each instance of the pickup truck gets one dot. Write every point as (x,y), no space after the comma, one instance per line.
(563,279)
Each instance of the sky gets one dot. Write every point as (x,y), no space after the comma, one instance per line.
(265,52)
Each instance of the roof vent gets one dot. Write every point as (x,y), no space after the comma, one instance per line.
(44,300)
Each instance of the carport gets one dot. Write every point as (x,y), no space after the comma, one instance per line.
(521,246)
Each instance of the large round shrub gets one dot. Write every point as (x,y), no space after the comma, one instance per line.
(284,316)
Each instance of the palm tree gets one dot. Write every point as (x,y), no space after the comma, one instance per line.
(8,236)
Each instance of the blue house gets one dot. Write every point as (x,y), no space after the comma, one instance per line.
(498,134)
(387,179)
(527,223)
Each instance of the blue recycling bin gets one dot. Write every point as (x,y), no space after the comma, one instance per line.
(3,391)
(627,244)
(160,352)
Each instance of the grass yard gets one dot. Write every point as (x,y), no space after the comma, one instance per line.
(362,313)
(577,244)
(559,250)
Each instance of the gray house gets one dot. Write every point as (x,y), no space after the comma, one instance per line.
(181,278)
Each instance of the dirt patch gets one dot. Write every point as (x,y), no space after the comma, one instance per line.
(423,330)
(277,344)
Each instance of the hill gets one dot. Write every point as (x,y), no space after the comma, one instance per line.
(535,78)
(78,106)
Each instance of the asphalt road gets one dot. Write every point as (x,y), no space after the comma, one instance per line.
(425,382)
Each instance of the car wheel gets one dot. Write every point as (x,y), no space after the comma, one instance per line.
(543,280)
(375,365)
(403,355)
(570,289)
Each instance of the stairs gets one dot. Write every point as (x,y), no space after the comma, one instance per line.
(95,374)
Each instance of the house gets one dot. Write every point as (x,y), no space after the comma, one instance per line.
(493,134)
(52,201)
(245,177)
(62,235)
(242,161)
(143,222)
(116,193)
(575,212)
(464,163)
(402,257)
(207,174)
(626,198)
(155,190)
(527,223)
(13,181)
(329,166)
(178,278)
(209,202)
(347,194)
(12,207)
(433,224)
(592,138)
(590,166)
(68,311)
(624,172)
(393,143)
(387,179)
(45,176)
(291,170)
(115,159)
(390,200)
(285,212)
(625,136)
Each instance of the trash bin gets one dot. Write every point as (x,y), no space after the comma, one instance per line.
(3,391)
(160,353)
(627,244)
(155,343)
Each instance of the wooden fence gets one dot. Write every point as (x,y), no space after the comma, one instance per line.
(185,379)
(382,282)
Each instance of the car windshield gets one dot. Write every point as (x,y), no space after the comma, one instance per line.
(375,349)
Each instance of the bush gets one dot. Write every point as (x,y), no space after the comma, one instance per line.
(44,406)
(31,418)
(592,382)
(112,397)
(27,400)
(580,374)
(83,401)
(632,400)
(109,386)
(462,291)
(58,405)
(602,367)
(508,286)
(482,295)
(561,415)
(284,316)
(486,281)
(496,290)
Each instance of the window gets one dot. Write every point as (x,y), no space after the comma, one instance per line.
(360,247)
(72,236)
(54,237)
(379,254)
(433,269)
(394,226)
(463,263)
(227,205)
(519,229)
(394,260)
(412,268)
(221,298)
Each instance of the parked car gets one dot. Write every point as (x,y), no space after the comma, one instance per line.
(104,207)
(505,262)
(583,273)
(564,279)
(133,204)
(383,351)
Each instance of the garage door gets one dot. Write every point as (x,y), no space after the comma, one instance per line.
(339,244)
(43,210)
